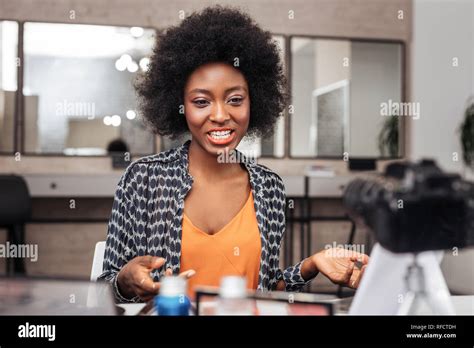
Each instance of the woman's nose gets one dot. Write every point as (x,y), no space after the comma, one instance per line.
(219,114)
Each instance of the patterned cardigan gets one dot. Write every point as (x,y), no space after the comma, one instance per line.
(147,215)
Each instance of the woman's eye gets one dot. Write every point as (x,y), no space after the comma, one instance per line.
(200,102)
(235,100)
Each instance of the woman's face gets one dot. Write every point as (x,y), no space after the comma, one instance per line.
(217,107)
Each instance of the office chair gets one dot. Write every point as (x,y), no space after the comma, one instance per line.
(15,211)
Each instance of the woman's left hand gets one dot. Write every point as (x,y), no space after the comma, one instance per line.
(339,265)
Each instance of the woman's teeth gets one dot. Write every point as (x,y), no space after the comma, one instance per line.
(220,134)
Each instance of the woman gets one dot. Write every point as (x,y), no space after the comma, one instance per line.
(187,211)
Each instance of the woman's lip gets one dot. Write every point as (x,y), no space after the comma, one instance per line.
(220,130)
(221,141)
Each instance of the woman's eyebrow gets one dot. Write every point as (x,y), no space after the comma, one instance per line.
(235,88)
(200,90)
(227,91)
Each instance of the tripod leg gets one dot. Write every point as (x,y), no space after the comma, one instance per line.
(406,307)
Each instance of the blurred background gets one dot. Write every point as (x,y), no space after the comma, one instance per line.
(383,80)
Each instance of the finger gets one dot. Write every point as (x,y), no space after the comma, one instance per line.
(157,262)
(144,260)
(169,272)
(357,281)
(363,258)
(144,283)
(151,262)
(354,276)
(188,274)
(348,273)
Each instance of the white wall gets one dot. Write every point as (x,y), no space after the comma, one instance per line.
(442,30)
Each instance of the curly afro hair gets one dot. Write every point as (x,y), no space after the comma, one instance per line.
(217,34)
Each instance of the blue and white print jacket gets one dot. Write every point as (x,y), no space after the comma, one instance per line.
(147,215)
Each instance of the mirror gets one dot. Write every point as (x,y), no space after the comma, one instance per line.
(78,87)
(341,91)
(8,83)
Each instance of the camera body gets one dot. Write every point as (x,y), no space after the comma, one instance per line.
(414,207)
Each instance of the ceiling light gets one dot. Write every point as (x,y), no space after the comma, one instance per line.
(116,120)
(131,114)
(136,31)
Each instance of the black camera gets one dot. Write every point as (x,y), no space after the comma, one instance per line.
(414,207)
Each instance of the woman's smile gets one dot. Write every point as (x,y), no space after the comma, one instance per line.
(221,136)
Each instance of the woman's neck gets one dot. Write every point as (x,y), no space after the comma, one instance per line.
(205,165)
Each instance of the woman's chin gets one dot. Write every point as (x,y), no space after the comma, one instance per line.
(219,151)
(220,148)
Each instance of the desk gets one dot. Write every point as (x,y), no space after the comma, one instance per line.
(104,185)
(463,305)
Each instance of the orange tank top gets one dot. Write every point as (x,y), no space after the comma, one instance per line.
(233,250)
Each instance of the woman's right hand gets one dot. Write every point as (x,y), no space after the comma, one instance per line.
(134,278)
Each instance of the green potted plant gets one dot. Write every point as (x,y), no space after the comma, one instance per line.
(388,137)
(467,136)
